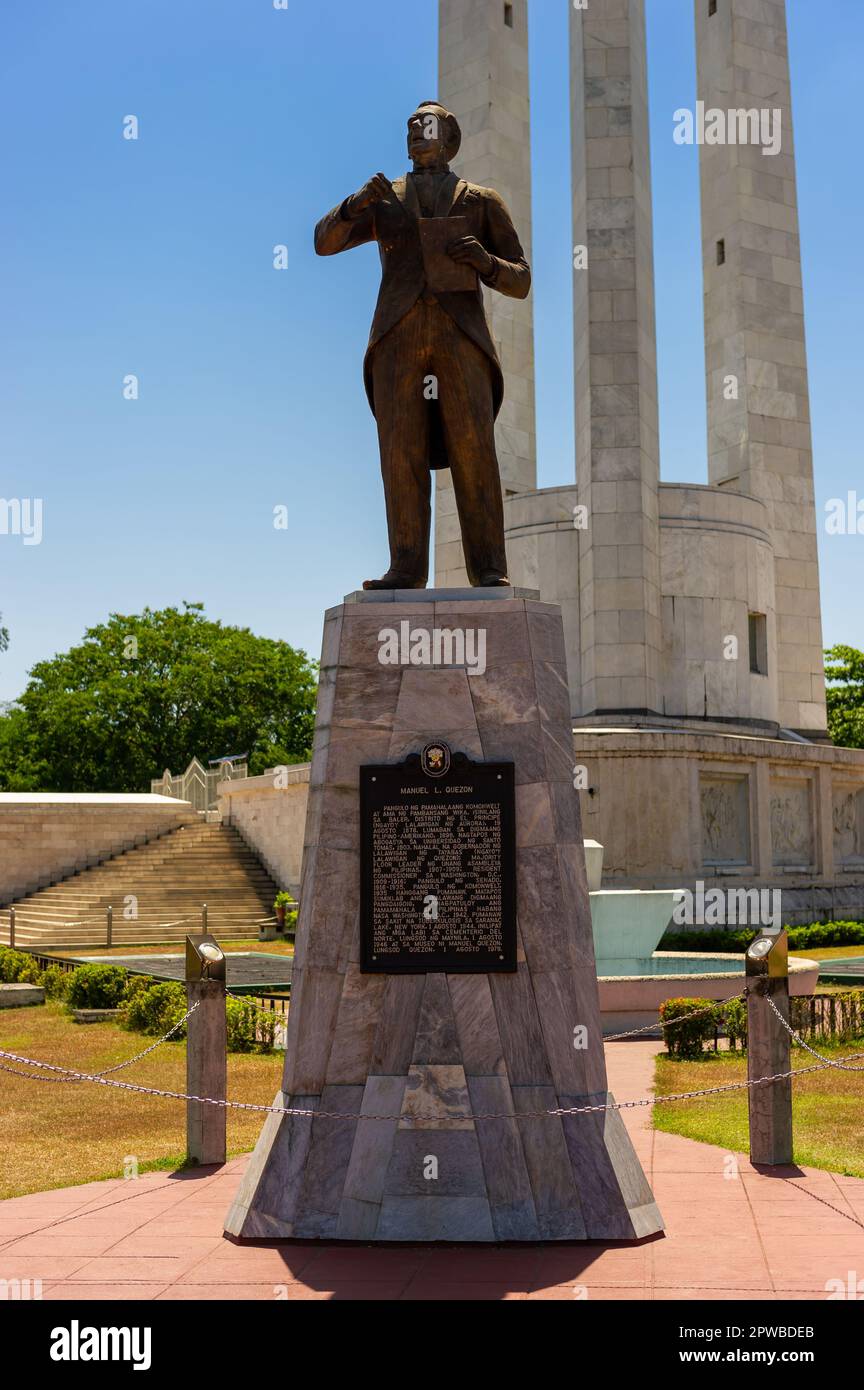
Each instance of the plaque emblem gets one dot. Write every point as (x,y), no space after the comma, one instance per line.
(435,760)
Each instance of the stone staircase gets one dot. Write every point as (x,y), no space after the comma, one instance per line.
(164,882)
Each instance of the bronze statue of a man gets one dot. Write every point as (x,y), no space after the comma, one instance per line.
(432,374)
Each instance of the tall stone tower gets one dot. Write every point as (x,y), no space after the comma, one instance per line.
(615,360)
(483,79)
(759,438)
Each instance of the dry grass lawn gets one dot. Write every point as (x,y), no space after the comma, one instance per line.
(176,948)
(60,1135)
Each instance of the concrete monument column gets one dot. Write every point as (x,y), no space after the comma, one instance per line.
(759,438)
(483,80)
(617,449)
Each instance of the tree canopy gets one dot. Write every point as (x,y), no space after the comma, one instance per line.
(150,691)
(4,636)
(844,670)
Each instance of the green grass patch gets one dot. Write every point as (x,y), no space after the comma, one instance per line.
(827,1108)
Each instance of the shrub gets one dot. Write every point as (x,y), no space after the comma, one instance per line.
(806,938)
(96,987)
(826,934)
(735,1015)
(707,939)
(249,1030)
(55,982)
(686,1039)
(155,1009)
(17,968)
(135,985)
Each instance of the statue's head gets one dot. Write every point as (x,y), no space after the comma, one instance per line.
(434,136)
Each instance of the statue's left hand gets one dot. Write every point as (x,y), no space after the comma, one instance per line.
(468,251)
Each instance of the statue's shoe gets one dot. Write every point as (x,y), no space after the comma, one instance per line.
(394,581)
(493,581)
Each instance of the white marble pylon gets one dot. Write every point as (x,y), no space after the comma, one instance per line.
(436,1053)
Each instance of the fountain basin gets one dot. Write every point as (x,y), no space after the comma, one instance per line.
(632,999)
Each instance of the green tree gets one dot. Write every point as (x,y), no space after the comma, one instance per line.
(844,670)
(4,637)
(146,692)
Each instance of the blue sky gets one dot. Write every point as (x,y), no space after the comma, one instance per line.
(154,257)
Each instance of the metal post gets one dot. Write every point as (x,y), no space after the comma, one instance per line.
(206,1050)
(769,1049)
(204,919)
(12,928)
(109,927)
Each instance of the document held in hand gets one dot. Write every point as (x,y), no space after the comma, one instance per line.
(444,275)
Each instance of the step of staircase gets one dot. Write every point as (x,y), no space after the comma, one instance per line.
(170,877)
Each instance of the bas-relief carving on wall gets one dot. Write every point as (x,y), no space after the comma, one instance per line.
(725,820)
(791,824)
(849,825)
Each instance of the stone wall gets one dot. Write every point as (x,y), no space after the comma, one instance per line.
(48,836)
(674,808)
(270,814)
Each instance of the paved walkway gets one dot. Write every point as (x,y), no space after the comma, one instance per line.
(752,1236)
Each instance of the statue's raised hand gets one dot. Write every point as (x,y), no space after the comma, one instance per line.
(378,188)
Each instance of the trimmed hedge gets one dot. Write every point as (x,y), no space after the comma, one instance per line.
(249,1030)
(96,987)
(155,1008)
(686,1040)
(807,938)
(834,1018)
(17,968)
(55,982)
(148,1006)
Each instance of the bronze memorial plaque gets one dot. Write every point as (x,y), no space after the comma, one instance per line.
(438,865)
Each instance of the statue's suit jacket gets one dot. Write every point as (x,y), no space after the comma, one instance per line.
(393,223)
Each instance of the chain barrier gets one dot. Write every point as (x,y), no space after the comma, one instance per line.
(608,1037)
(102,1078)
(108,1071)
(796,1037)
(560,1112)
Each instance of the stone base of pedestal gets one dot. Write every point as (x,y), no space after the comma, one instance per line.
(431,1093)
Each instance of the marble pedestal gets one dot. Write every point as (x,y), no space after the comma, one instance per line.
(433,1054)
